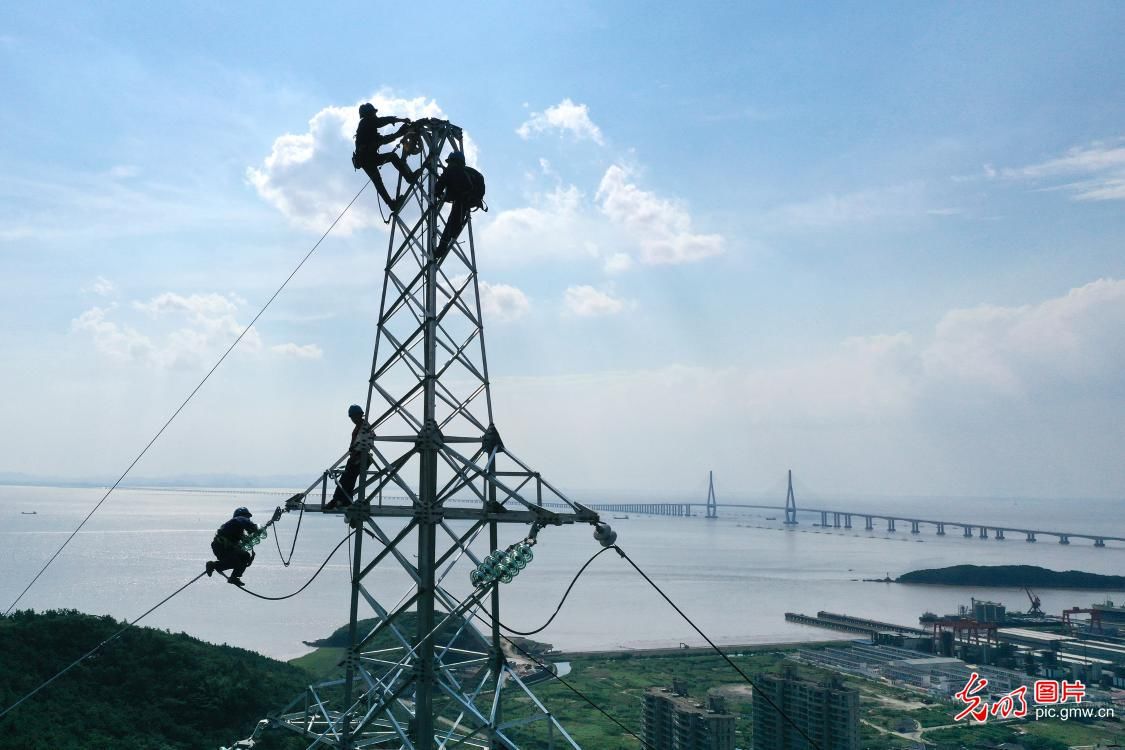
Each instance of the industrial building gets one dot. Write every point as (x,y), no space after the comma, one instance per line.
(827,712)
(675,721)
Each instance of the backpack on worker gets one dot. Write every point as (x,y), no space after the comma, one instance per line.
(474,192)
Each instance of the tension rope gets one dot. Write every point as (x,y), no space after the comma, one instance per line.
(101,645)
(191,395)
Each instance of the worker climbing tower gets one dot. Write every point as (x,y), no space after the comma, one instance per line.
(436,501)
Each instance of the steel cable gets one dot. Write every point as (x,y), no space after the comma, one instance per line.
(188,399)
(98,647)
(245,590)
(757,690)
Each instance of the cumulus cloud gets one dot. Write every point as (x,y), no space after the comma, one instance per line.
(188,330)
(588,302)
(555,225)
(1074,338)
(564,118)
(502,301)
(1095,172)
(662,228)
(1018,399)
(118,342)
(298,351)
(308,177)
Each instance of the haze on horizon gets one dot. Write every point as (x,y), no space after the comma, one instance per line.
(880,245)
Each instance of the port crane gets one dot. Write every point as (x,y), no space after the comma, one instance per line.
(1034,599)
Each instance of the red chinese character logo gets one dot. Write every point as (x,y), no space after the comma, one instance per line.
(1012,704)
(976,707)
(1075,690)
(1046,691)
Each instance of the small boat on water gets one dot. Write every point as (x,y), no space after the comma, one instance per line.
(29,512)
(620,518)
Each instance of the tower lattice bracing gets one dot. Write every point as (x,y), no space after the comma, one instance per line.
(712,501)
(428,670)
(790,504)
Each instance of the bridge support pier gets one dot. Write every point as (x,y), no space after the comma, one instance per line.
(847,520)
(1031,536)
(941,529)
(1099,542)
(914,528)
(890,524)
(835,520)
(823,518)
(984,532)
(968,531)
(870,526)
(1000,535)
(1064,539)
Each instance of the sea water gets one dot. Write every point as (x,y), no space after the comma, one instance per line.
(736,576)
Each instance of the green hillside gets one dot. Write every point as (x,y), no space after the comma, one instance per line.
(148,690)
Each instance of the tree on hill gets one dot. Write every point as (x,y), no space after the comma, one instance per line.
(147,689)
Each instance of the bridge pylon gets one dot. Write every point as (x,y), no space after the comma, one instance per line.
(790,504)
(712,502)
(417,672)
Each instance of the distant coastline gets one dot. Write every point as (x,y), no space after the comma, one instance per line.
(1013,576)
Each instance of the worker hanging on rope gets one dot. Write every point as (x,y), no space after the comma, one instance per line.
(462,187)
(369,158)
(363,438)
(229,546)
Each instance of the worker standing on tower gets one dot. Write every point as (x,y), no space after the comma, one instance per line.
(367,156)
(228,548)
(363,438)
(463,187)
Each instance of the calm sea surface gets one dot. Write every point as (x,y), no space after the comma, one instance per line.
(736,576)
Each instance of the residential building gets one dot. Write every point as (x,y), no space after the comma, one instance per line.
(675,721)
(827,712)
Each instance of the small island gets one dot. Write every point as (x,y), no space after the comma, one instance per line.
(1018,576)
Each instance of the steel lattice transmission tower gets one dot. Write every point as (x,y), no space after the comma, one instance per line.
(437,449)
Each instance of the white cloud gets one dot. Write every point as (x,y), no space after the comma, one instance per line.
(117,342)
(308,176)
(1022,400)
(1099,166)
(298,351)
(555,225)
(1070,339)
(617,263)
(188,331)
(502,301)
(566,117)
(861,206)
(198,305)
(661,227)
(588,302)
(102,287)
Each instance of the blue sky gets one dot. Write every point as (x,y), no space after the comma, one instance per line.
(878,244)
